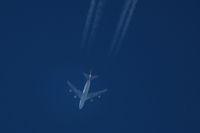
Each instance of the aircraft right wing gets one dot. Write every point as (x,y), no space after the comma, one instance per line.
(94,94)
(76,91)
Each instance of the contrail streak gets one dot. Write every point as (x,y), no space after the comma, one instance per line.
(88,22)
(97,18)
(120,25)
(126,25)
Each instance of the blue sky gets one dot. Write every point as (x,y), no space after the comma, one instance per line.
(152,82)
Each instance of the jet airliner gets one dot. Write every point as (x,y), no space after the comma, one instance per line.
(85,95)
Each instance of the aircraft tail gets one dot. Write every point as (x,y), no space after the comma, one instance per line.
(87,76)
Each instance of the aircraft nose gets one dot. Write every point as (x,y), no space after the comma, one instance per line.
(81,106)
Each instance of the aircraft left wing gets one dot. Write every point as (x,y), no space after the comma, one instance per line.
(94,94)
(76,91)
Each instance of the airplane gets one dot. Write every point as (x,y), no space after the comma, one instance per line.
(85,95)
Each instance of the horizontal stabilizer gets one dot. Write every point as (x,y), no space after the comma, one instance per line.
(92,77)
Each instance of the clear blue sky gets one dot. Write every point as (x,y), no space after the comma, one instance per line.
(153,83)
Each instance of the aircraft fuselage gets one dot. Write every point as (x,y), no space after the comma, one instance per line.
(84,94)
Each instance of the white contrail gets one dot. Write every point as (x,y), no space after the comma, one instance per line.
(120,25)
(97,18)
(126,26)
(88,22)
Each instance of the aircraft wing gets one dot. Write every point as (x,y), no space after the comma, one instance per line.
(94,94)
(76,91)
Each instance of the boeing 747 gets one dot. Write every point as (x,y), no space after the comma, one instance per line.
(85,95)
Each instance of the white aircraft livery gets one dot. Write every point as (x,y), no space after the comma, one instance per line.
(85,95)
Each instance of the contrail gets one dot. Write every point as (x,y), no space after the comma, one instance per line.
(120,25)
(126,25)
(88,22)
(97,18)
